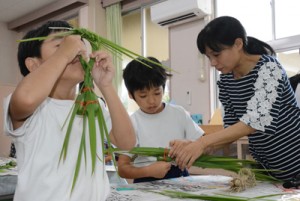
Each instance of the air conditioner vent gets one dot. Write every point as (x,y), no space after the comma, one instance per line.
(177,19)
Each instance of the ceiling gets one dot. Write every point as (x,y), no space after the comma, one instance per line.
(14,9)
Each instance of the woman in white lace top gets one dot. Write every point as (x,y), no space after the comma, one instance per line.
(257,98)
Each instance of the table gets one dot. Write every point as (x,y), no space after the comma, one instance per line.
(202,184)
(8,180)
(7,186)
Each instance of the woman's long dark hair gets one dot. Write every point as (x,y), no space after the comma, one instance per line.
(295,80)
(223,31)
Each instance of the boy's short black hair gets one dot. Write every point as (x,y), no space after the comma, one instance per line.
(138,76)
(33,48)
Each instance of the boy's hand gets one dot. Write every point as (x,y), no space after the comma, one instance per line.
(103,71)
(159,169)
(71,47)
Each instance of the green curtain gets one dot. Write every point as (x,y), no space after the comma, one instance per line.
(114,33)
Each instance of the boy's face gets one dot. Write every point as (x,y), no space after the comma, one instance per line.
(73,70)
(149,100)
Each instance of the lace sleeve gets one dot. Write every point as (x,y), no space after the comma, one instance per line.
(258,107)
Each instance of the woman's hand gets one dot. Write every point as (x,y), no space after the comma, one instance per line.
(176,146)
(103,71)
(186,153)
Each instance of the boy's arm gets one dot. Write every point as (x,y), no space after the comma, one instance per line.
(122,134)
(38,84)
(127,170)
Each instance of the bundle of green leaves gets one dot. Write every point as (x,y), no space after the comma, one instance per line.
(206,161)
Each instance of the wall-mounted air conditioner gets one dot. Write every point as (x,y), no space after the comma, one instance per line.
(174,12)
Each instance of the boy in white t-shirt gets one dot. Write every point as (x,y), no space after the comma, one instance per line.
(156,123)
(36,111)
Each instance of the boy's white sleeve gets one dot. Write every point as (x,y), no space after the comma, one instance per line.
(8,127)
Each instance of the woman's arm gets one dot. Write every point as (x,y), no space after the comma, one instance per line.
(186,156)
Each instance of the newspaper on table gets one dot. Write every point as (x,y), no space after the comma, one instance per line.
(200,184)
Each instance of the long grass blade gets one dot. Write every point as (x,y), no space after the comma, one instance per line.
(92,134)
(79,157)
(64,150)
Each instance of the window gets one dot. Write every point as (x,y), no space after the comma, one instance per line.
(273,21)
(255,15)
(286,18)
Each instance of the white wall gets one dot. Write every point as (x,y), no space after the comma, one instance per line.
(8,56)
(9,76)
(185,58)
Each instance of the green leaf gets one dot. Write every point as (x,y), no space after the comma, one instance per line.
(78,162)
(64,150)
(92,134)
(205,161)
